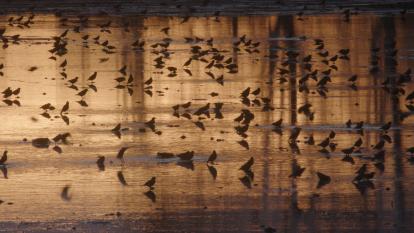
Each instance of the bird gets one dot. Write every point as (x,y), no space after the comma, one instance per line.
(212,157)
(121,153)
(348,151)
(278,123)
(247,165)
(324,143)
(186,105)
(353,78)
(65,108)
(65,193)
(93,76)
(117,130)
(3,158)
(121,178)
(151,123)
(82,93)
(294,134)
(186,156)
(297,170)
(379,145)
(73,81)
(386,126)
(358,143)
(348,123)
(359,125)
(323,179)
(150,183)
(362,169)
(101,163)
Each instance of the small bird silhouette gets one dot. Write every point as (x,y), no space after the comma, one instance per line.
(386,126)
(324,143)
(65,193)
(247,166)
(323,179)
(297,170)
(186,156)
(212,157)
(3,158)
(101,163)
(150,183)
(121,153)
(121,178)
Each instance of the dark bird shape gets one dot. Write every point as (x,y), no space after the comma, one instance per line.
(310,140)
(278,123)
(4,171)
(246,181)
(16,92)
(148,82)
(63,64)
(379,156)
(150,183)
(121,178)
(256,92)
(239,118)
(7,92)
(323,179)
(348,151)
(73,81)
(165,30)
(101,163)
(212,157)
(386,126)
(244,144)
(123,70)
(213,171)
(348,123)
(186,156)
(362,169)
(186,105)
(325,142)
(247,166)
(3,158)
(200,125)
(165,155)
(294,134)
(359,125)
(379,145)
(202,110)
(245,93)
(348,159)
(151,124)
(65,108)
(297,170)
(353,78)
(121,153)
(93,76)
(151,195)
(82,93)
(65,193)
(358,142)
(116,129)
(305,108)
(332,135)
(41,142)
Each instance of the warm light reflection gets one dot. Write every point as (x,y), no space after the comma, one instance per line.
(36,176)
